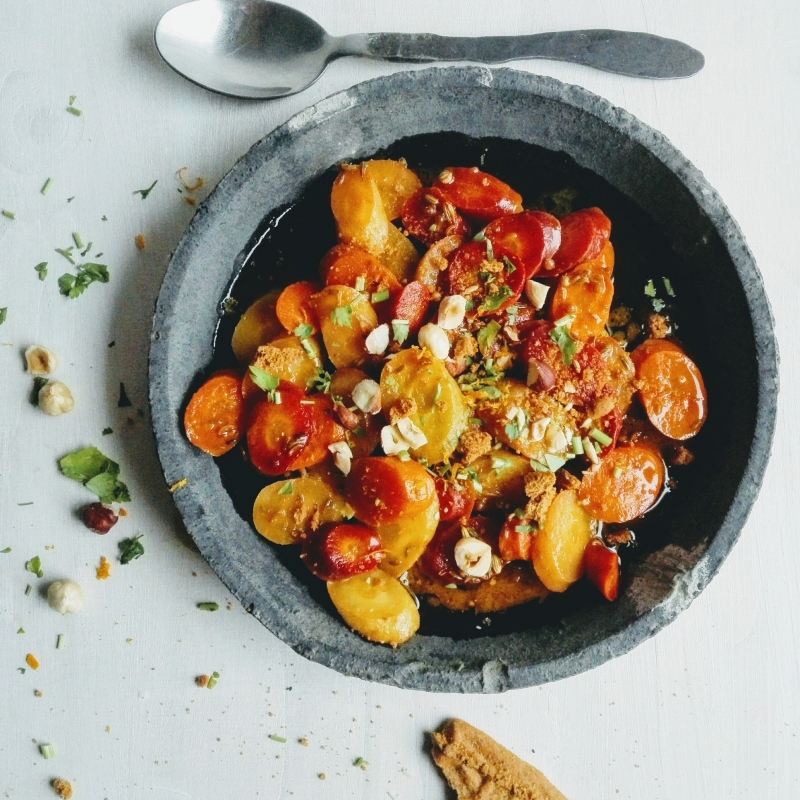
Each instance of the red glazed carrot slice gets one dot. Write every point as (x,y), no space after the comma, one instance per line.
(430,217)
(412,305)
(673,393)
(293,308)
(521,235)
(583,235)
(624,486)
(477,193)
(492,284)
(602,568)
(214,417)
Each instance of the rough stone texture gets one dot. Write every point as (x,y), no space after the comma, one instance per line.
(637,160)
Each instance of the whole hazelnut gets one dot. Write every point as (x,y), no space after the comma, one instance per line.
(99,518)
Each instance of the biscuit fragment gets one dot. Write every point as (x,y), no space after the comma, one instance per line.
(478,768)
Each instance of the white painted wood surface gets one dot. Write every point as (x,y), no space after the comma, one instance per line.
(710,708)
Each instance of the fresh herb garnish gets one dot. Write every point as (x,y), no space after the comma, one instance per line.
(438,393)
(400,330)
(487,334)
(7,550)
(47,750)
(509,266)
(650,289)
(35,566)
(41,268)
(3,314)
(303,331)
(67,253)
(276,738)
(658,305)
(263,379)
(489,250)
(321,381)
(75,285)
(210,606)
(563,338)
(145,192)
(512,431)
(668,287)
(360,762)
(107,431)
(98,473)
(493,301)
(212,681)
(78,239)
(47,186)
(379,297)
(600,436)
(9,214)
(61,641)
(479,236)
(76,112)
(287,488)
(526,528)
(130,549)
(554,463)
(342,316)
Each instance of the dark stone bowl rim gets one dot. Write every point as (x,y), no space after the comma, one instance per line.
(379,663)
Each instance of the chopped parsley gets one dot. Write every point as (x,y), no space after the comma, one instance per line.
(489,250)
(9,214)
(35,566)
(554,463)
(212,681)
(303,331)
(658,305)
(526,528)
(650,289)
(78,239)
(76,112)
(563,338)
(493,301)
(48,184)
(400,330)
(509,266)
(75,285)
(321,381)
(210,606)
(98,473)
(487,334)
(130,549)
(3,314)
(276,738)
(41,268)
(512,430)
(287,488)
(668,287)
(479,237)
(263,379)
(361,763)
(145,192)
(342,316)
(7,550)
(379,297)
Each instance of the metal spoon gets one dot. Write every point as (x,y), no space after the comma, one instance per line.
(261,49)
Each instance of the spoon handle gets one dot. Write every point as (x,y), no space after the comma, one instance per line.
(640,55)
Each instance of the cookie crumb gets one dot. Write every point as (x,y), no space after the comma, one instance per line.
(63,788)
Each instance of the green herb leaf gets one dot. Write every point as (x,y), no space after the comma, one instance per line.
(601,437)
(491,392)
(76,112)
(400,330)
(509,266)
(276,738)
(649,289)
(210,606)
(493,301)
(479,237)
(28,590)
(47,750)
(361,762)
(512,431)
(379,297)
(67,253)
(20,630)
(47,186)
(287,488)
(97,472)
(7,550)
(658,305)
(21,670)
(668,287)
(9,214)
(76,237)
(35,566)
(130,549)
(145,192)
(263,379)
(41,268)
(511,313)
(563,338)
(342,316)
(107,431)
(489,250)
(61,641)
(486,335)
(321,381)
(3,314)
(75,285)
(526,528)
(303,331)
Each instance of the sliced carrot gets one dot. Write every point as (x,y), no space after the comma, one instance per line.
(293,308)
(32,661)
(624,486)
(514,544)
(651,346)
(214,418)
(602,568)
(395,181)
(586,292)
(671,389)
(352,263)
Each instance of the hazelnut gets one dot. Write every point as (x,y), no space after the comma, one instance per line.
(40,360)
(66,597)
(55,399)
(99,518)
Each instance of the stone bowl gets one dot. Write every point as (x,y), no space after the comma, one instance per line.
(530,126)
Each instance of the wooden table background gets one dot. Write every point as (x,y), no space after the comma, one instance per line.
(709,708)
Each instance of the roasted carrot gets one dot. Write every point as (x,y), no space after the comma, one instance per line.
(214,418)
(293,308)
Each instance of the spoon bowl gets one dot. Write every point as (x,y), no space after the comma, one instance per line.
(262,49)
